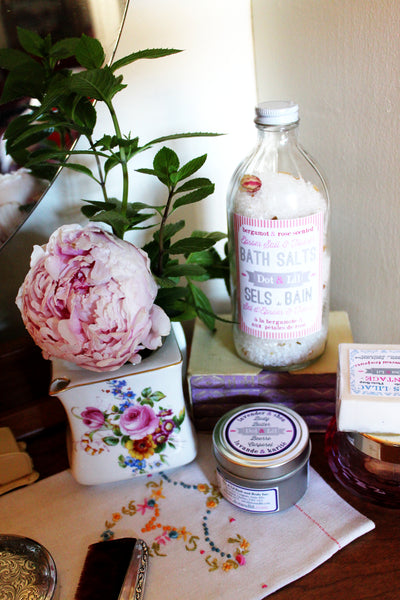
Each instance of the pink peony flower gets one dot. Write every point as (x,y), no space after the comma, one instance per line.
(89,299)
(92,417)
(138,421)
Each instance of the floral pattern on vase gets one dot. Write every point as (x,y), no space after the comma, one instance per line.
(133,422)
(138,424)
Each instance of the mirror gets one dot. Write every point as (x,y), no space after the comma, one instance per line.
(20,191)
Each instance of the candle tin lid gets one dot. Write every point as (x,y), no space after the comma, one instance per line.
(382,447)
(261,441)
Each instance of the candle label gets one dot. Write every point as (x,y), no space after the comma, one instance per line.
(374,372)
(260,432)
(279,275)
(254,500)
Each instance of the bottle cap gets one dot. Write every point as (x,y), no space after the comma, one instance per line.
(277,112)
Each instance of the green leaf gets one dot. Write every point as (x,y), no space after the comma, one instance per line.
(11,58)
(84,114)
(184,270)
(31,42)
(171,294)
(148,402)
(216,236)
(149,53)
(111,441)
(178,136)
(146,171)
(191,167)
(190,244)
(202,306)
(157,396)
(134,207)
(170,230)
(205,258)
(89,52)
(64,48)
(80,169)
(193,184)
(210,260)
(159,449)
(117,221)
(99,84)
(165,162)
(188,313)
(26,79)
(166,282)
(30,136)
(55,89)
(46,171)
(194,196)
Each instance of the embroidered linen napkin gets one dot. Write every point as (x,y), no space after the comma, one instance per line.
(200,545)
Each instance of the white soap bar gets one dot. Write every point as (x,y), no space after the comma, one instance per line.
(368,388)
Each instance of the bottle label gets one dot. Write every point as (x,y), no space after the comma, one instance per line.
(279,275)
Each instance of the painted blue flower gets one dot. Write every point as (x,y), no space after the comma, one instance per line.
(108,534)
(125,405)
(117,385)
(135,463)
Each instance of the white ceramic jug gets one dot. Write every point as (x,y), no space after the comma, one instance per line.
(128,422)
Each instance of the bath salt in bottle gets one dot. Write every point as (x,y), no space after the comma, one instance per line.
(278,219)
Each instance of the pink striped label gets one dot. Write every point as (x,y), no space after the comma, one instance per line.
(279,275)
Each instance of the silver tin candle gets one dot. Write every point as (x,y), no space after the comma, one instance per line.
(262,453)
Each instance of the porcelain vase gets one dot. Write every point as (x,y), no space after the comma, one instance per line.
(128,422)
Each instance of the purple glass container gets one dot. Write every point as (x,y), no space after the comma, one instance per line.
(366,465)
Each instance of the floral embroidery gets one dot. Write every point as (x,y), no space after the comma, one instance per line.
(164,534)
(139,424)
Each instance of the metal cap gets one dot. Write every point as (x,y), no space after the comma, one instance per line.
(261,441)
(277,112)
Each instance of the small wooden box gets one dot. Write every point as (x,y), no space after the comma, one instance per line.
(219,380)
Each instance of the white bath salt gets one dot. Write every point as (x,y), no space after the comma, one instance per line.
(283,267)
(281,196)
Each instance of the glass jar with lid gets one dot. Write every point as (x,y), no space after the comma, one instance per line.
(278,232)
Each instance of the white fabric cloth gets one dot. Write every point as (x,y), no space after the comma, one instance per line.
(253,556)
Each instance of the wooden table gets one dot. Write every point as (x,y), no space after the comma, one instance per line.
(366,569)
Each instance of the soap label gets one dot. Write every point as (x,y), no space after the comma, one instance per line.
(374,372)
(279,275)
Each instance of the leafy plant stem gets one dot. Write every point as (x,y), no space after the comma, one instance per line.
(161,232)
(124,162)
(99,169)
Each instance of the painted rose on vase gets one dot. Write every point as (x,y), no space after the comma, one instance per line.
(139,424)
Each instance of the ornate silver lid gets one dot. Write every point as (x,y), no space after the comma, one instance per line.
(27,569)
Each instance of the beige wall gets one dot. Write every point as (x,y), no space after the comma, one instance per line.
(340,59)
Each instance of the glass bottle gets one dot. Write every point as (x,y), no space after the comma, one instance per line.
(278,224)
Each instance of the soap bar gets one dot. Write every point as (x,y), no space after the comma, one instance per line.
(368,388)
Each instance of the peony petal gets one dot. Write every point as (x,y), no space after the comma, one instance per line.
(89,298)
